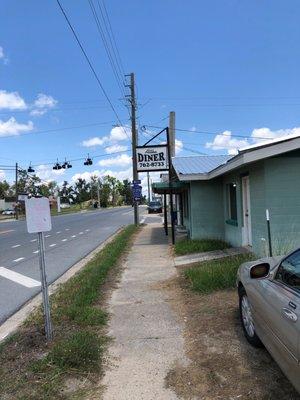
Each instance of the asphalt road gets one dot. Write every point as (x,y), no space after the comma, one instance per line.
(73,236)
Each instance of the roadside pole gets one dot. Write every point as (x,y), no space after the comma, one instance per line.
(38,220)
(46,304)
(165,214)
(134,144)
(269,233)
(170,185)
(149,193)
(16,192)
(98,193)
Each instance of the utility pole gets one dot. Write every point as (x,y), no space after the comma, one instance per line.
(98,193)
(172,132)
(134,143)
(17,194)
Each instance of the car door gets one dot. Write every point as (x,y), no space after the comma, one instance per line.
(277,309)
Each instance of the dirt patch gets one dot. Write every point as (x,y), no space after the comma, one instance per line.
(222,364)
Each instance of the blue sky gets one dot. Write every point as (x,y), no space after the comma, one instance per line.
(222,65)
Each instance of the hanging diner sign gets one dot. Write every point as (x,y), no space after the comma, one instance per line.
(152,158)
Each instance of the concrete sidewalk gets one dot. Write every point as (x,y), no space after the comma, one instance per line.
(208,255)
(148,339)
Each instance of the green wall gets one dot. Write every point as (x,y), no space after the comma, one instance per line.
(206,209)
(274,184)
(282,178)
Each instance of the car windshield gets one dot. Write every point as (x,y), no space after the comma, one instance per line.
(154,203)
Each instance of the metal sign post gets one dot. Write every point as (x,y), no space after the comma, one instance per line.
(46,304)
(38,220)
(269,233)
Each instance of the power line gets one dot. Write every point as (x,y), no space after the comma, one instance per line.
(212,133)
(58,129)
(90,64)
(106,46)
(118,57)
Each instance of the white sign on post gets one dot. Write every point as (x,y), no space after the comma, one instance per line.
(38,216)
(152,158)
(38,220)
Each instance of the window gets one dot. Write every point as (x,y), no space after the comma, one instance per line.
(232,206)
(289,270)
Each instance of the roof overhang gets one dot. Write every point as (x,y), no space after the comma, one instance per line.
(166,188)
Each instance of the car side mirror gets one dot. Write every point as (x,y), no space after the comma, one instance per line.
(260,271)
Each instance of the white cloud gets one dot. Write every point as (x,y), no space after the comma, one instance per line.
(225,141)
(11,101)
(120,175)
(13,128)
(193,128)
(45,101)
(2,175)
(3,58)
(115,148)
(117,134)
(37,113)
(260,135)
(47,173)
(42,104)
(95,141)
(178,146)
(120,161)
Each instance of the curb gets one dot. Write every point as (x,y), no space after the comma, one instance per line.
(11,325)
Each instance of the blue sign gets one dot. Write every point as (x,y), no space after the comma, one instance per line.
(137,181)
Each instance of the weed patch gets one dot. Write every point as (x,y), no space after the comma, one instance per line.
(187,246)
(209,276)
(32,369)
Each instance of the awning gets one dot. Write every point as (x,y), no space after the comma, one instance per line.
(164,187)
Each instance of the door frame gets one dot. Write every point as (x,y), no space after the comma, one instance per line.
(246,209)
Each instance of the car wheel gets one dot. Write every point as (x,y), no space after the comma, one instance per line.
(247,319)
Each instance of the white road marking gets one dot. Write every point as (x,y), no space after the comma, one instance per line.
(64,240)
(73,236)
(87,230)
(18,278)
(35,252)
(80,233)
(16,245)
(19,259)
(67,229)
(47,235)
(58,232)
(128,212)
(52,245)
(143,220)
(33,240)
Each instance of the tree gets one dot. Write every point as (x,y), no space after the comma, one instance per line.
(4,189)
(82,190)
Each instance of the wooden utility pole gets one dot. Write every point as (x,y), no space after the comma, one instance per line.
(134,143)
(172,132)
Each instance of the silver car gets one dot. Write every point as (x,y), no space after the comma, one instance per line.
(269,299)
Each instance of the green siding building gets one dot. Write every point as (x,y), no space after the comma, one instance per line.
(227,197)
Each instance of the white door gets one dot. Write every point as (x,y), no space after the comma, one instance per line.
(247,232)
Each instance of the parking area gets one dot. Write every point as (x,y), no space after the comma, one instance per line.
(222,364)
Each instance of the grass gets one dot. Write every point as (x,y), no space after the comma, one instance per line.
(209,276)
(32,369)
(187,246)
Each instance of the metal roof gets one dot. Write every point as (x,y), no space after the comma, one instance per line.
(198,164)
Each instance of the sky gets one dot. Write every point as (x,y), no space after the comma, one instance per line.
(228,68)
